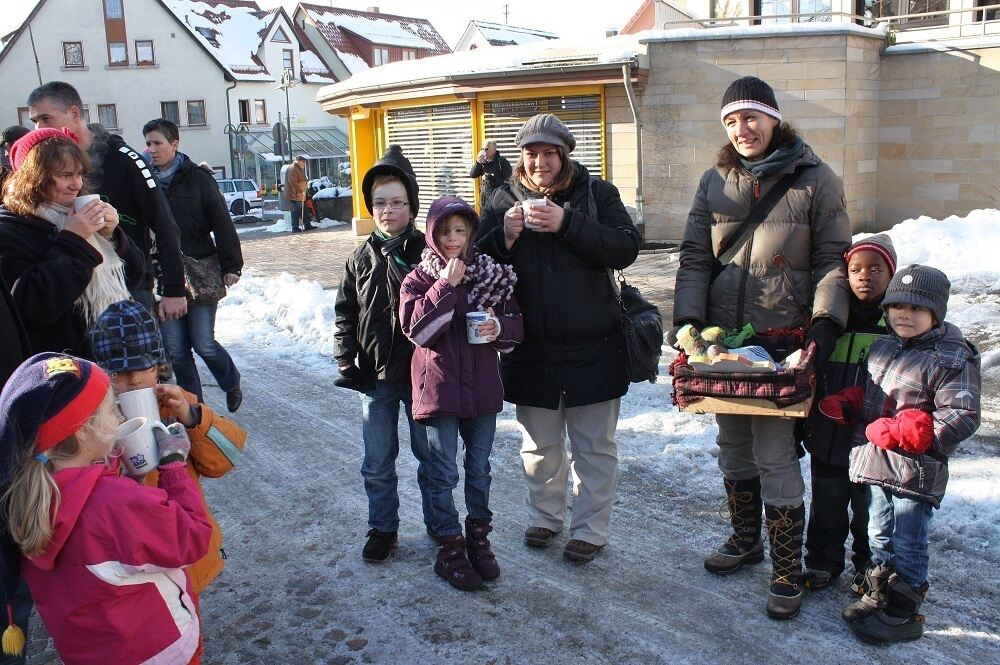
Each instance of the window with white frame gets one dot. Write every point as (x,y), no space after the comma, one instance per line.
(107,115)
(381,55)
(117,53)
(73,54)
(113,9)
(196,112)
(409,54)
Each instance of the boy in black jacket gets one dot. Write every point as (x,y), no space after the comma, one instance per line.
(122,179)
(372,352)
(870,265)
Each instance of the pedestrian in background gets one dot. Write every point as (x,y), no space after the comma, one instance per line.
(207,234)
(568,376)
(372,352)
(296,183)
(493,168)
(456,382)
(7,139)
(121,177)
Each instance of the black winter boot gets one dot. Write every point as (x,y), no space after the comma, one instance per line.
(745,544)
(784,530)
(900,621)
(876,581)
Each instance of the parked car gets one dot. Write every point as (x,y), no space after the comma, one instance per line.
(241,194)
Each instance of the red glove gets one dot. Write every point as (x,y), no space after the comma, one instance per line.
(843,406)
(911,430)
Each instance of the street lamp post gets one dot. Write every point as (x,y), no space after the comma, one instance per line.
(287,81)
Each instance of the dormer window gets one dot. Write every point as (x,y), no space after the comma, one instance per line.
(280,36)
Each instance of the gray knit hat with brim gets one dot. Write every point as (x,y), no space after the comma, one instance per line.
(922,286)
(545,128)
(881,244)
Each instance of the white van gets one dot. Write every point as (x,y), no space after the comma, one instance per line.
(241,195)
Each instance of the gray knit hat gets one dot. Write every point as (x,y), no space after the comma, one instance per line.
(545,128)
(881,244)
(922,286)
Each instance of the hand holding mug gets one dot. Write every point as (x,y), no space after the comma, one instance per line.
(513,225)
(173,443)
(481,157)
(172,397)
(454,271)
(86,221)
(491,329)
(546,217)
(110,220)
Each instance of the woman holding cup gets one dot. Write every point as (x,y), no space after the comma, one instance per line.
(65,259)
(569,374)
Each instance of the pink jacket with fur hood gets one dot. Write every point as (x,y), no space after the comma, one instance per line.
(110,587)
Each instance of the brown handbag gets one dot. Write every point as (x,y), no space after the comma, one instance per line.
(203,279)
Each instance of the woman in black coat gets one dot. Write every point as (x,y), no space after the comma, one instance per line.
(568,376)
(200,211)
(63,267)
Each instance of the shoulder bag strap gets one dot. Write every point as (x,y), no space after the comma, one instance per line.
(732,246)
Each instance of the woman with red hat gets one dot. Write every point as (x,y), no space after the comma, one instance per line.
(64,266)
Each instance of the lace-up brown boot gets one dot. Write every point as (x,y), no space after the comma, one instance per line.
(784,530)
(745,545)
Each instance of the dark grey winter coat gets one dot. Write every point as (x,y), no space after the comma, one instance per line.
(937,372)
(809,227)
(573,348)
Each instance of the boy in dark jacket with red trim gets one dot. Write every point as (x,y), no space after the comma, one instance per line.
(456,382)
(922,400)
(871,263)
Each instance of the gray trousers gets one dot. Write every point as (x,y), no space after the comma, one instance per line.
(751,446)
(594,464)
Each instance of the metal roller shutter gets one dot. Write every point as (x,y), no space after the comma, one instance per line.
(582,114)
(438,142)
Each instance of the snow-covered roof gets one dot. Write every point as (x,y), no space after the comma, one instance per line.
(342,27)
(231,30)
(537,57)
(314,70)
(498,34)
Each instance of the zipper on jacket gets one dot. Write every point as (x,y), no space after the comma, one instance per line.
(920,471)
(741,296)
(756,189)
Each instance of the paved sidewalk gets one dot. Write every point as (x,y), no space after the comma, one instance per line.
(320,255)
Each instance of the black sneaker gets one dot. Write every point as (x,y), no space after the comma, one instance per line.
(233,399)
(816,579)
(378,546)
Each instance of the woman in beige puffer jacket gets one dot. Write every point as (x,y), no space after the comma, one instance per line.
(788,274)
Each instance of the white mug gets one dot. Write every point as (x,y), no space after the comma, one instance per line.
(527,205)
(472,322)
(80,202)
(135,437)
(140,403)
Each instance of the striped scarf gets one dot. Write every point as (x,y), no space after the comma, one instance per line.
(490,283)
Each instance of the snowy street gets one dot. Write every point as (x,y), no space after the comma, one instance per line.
(296,591)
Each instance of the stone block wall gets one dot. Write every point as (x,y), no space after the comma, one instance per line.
(939,133)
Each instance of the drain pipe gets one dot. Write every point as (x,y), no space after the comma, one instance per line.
(637,119)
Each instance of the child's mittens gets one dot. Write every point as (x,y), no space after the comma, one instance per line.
(844,406)
(715,336)
(174,444)
(689,339)
(911,430)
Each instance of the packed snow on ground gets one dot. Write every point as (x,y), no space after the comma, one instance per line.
(332,192)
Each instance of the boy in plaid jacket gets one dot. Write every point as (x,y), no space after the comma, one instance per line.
(922,400)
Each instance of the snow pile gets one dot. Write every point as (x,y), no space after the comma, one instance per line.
(332,193)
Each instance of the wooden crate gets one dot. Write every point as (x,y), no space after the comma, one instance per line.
(748,406)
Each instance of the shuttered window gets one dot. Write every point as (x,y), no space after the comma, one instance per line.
(438,142)
(581,114)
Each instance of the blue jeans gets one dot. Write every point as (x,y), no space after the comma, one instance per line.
(441,453)
(897,533)
(196,330)
(380,432)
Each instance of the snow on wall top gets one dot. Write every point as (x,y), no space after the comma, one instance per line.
(774,30)
(499,34)
(386,29)
(560,52)
(230,29)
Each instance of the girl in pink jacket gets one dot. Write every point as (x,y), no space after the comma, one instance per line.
(103,555)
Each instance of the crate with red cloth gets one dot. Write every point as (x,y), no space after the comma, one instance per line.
(784,392)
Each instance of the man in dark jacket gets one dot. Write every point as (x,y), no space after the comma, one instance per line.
(492,167)
(122,178)
(372,352)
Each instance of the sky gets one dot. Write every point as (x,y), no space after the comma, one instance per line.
(567,18)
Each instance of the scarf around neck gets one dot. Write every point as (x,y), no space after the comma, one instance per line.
(107,283)
(489,283)
(392,248)
(165,176)
(777,160)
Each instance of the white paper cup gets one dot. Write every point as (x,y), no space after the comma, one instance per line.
(81,202)
(527,206)
(472,322)
(135,437)
(140,403)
